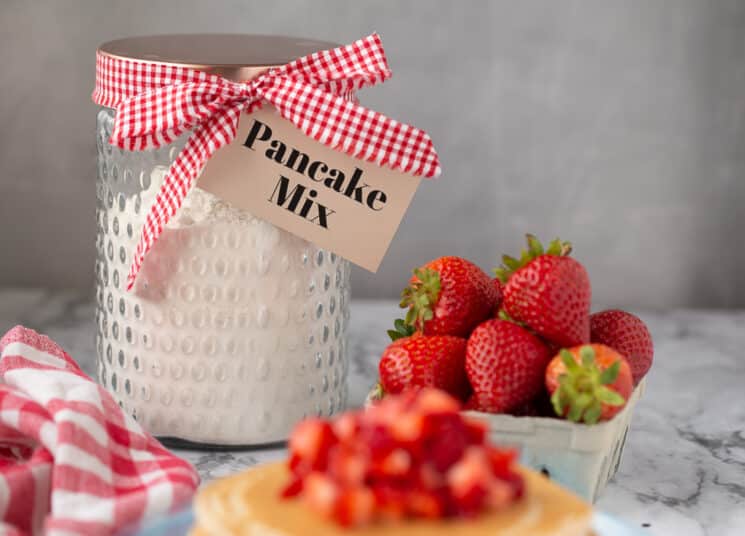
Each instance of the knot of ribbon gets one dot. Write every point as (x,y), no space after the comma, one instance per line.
(157,103)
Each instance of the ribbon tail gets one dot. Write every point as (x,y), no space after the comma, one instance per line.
(348,127)
(206,138)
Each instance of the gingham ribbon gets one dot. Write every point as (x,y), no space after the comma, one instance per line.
(157,103)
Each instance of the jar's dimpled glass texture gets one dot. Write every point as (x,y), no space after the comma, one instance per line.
(235,329)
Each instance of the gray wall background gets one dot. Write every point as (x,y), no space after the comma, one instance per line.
(617,124)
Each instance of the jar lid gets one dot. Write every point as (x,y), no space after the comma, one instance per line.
(232,56)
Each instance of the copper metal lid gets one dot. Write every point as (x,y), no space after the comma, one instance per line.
(233,56)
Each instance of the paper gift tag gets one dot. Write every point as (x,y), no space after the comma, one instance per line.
(338,202)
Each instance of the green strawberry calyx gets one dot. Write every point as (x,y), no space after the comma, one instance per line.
(401,330)
(535,249)
(420,297)
(583,388)
(377,393)
(504,315)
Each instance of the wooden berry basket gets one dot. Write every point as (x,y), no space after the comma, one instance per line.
(580,457)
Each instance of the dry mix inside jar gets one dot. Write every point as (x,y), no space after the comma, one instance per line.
(235,329)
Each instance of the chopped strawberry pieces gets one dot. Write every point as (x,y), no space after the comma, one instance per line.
(309,445)
(445,440)
(412,455)
(293,488)
(469,480)
(476,431)
(396,464)
(354,506)
(321,493)
(426,504)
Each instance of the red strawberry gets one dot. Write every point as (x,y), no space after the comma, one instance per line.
(589,383)
(529,409)
(498,294)
(448,296)
(548,292)
(505,364)
(626,334)
(537,407)
(421,361)
(472,404)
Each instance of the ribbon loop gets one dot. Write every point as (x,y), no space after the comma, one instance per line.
(154,107)
(343,69)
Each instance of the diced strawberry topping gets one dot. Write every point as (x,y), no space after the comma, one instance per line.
(444,440)
(412,455)
(345,426)
(293,488)
(309,446)
(469,480)
(355,506)
(348,464)
(321,493)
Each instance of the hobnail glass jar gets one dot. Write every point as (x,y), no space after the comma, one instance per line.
(235,329)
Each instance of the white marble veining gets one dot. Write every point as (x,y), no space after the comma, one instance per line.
(683,470)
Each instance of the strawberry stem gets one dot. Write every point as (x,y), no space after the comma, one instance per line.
(583,388)
(420,297)
(535,249)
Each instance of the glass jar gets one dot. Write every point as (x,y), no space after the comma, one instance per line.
(234,330)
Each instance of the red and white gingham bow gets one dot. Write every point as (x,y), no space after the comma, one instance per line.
(157,103)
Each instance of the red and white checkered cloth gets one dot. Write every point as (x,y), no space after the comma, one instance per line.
(71,462)
(156,103)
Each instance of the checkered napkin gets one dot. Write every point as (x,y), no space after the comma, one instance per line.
(155,103)
(71,462)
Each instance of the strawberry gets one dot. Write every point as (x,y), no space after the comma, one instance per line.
(548,292)
(538,407)
(626,334)
(421,361)
(448,296)
(532,408)
(589,383)
(498,294)
(472,404)
(505,364)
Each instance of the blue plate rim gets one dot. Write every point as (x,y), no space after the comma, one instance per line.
(602,521)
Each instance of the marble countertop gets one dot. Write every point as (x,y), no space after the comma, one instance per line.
(683,470)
